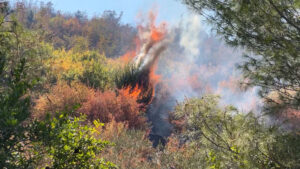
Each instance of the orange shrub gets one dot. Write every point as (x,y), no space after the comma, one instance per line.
(61,97)
(107,106)
(104,106)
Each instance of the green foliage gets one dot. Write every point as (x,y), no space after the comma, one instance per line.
(14,84)
(98,73)
(79,44)
(269,29)
(127,76)
(69,144)
(13,112)
(97,76)
(107,35)
(89,67)
(226,138)
(20,45)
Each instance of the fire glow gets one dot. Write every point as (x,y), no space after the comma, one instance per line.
(149,45)
(180,62)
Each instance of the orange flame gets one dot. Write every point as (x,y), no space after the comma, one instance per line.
(156,34)
(127,57)
(154,78)
(132,92)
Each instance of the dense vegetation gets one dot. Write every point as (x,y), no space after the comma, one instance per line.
(62,104)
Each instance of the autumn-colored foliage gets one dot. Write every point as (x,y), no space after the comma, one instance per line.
(104,33)
(108,105)
(97,105)
(61,97)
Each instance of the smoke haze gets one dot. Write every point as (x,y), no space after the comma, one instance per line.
(189,63)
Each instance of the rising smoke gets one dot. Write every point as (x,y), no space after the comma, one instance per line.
(189,63)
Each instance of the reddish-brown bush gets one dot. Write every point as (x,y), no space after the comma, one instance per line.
(107,106)
(61,97)
(104,106)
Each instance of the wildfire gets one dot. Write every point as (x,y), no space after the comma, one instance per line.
(148,49)
(157,33)
(133,92)
(128,56)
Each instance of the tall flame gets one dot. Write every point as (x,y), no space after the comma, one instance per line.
(149,45)
(157,33)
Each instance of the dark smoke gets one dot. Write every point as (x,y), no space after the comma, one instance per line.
(158,114)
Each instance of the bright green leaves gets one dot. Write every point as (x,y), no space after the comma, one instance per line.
(69,144)
(213,161)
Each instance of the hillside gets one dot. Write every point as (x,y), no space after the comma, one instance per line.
(81,91)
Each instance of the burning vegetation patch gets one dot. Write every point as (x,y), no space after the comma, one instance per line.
(120,106)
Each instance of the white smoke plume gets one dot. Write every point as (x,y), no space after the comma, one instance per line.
(196,63)
(191,63)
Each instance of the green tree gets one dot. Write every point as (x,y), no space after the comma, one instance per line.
(67,143)
(270,31)
(14,84)
(221,137)
(98,73)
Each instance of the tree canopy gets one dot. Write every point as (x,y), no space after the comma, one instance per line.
(269,30)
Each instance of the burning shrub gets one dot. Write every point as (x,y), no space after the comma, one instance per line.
(104,106)
(61,97)
(107,106)
(132,79)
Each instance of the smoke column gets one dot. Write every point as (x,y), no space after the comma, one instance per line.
(182,62)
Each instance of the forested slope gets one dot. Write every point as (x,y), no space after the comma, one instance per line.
(77,92)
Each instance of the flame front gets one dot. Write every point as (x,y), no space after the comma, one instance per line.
(133,92)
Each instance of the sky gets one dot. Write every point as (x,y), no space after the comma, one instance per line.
(170,11)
